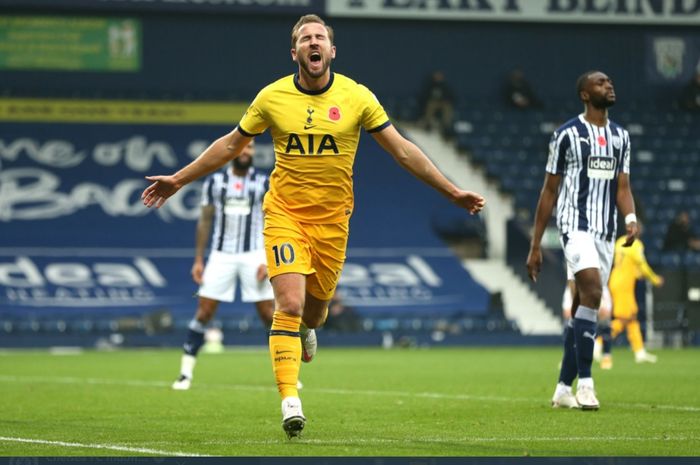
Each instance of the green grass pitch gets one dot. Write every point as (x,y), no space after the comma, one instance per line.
(359,402)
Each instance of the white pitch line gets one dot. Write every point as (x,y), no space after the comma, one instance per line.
(140,450)
(413,440)
(366,392)
(350,441)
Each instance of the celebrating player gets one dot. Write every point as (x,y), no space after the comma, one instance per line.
(315,117)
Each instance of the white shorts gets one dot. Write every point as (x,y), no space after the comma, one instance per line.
(582,250)
(223,271)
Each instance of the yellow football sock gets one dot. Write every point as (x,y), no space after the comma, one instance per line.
(285,351)
(634,335)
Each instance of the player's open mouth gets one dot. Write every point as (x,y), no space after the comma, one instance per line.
(315,57)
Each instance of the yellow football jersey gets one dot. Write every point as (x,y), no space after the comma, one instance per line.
(315,136)
(630,264)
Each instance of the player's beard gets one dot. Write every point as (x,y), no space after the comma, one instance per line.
(304,63)
(602,102)
(242,165)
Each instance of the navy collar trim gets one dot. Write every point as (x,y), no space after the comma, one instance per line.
(313,92)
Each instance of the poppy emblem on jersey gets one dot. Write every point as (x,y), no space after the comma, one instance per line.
(601,141)
(238,186)
(334,113)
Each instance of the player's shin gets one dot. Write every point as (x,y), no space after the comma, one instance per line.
(194,342)
(285,351)
(584,333)
(569,367)
(634,335)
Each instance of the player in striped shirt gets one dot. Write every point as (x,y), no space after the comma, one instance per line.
(587,175)
(231,203)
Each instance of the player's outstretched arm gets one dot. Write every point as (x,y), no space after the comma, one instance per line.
(221,151)
(545,205)
(411,158)
(625,204)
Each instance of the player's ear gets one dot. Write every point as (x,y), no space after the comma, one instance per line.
(332,51)
(294,54)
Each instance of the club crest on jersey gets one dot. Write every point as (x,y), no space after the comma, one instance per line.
(334,113)
(601,167)
(309,120)
(616,142)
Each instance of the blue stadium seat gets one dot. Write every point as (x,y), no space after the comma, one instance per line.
(513,147)
(653,257)
(671,259)
(691,260)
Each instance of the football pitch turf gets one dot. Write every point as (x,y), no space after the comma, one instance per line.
(359,402)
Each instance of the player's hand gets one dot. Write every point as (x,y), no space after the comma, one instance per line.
(534,263)
(660,282)
(158,192)
(197,271)
(632,233)
(471,201)
(262,272)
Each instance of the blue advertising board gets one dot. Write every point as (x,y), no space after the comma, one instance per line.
(76,239)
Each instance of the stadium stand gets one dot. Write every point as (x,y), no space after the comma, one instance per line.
(511,147)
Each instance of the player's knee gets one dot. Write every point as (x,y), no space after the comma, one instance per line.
(204,317)
(292,305)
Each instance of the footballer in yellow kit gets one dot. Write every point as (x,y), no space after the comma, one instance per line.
(630,264)
(315,117)
(315,135)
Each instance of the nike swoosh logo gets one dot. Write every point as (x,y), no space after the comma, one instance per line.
(283,352)
(309,127)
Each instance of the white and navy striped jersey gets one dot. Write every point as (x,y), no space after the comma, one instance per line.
(589,158)
(238,218)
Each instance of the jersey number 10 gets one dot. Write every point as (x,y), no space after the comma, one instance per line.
(284,253)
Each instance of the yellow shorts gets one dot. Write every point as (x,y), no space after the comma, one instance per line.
(314,250)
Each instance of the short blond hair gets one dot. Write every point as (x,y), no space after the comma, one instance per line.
(306,19)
